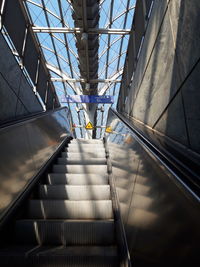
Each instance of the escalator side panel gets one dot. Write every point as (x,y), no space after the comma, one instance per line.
(161,221)
(24,148)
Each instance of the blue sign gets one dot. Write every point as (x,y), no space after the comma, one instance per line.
(98,99)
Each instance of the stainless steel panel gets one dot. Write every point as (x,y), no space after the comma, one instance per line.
(25,148)
(161,222)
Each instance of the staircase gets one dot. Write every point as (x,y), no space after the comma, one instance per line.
(70,219)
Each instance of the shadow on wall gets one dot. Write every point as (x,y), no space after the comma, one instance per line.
(16,95)
(165,93)
(183,113)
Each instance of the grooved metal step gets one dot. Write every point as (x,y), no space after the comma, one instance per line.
(70,256)
(85,155)
(98,169)
(62,232)
(77,179)
(85,148)
(67,209)
(86,141)
(88,161)
(75,192)
(72,223)
(86,145)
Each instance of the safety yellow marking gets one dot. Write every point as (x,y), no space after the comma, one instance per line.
(89,126)
(109,129)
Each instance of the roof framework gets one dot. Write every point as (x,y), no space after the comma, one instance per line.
(55,24)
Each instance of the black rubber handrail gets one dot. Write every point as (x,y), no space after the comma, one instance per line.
(185,177)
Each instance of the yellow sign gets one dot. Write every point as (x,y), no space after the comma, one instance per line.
(89,126)
(109,129)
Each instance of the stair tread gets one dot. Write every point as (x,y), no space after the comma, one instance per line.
(90,256)
(90,209)
(85,148)
(82,161)
(87,141)
(78,168)
(65,232)
(75,192)
(77,179)
(62,250)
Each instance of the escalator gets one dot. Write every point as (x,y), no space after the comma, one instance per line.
(72,216)
(116,201)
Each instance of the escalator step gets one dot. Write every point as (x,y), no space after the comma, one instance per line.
(87,141)
(86,155)
(98,169)
(77,179)
(62,232)
(85,148)
(75,192)
(86,145)
(96,161)
(67,209)
(71,256)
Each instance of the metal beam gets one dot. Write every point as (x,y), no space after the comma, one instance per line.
(103,90)
(64,78)
(54,79)
(85,30)
(122,41)
(80,30)
(2,5)
(108,44)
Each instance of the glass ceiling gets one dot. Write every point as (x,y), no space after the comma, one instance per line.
(61,54)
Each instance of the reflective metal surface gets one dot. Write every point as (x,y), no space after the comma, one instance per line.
(161,221)
(24,149)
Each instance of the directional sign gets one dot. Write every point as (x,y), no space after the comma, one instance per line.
(109,129)
(89,126)
(99,99)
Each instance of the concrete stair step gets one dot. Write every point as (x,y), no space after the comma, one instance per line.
(67,209)
(75,192)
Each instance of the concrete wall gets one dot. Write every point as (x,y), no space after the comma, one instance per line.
(16,96)
(165,92)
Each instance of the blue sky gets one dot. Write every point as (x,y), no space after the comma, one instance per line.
(61,61)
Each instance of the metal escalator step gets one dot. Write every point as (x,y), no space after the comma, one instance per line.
(75,192)
(90,161)
(77,179)
(87,141)
(85,148)
(86,145)
(71,256)
(98,169)
(62,232)
(86,155)
(68,209)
